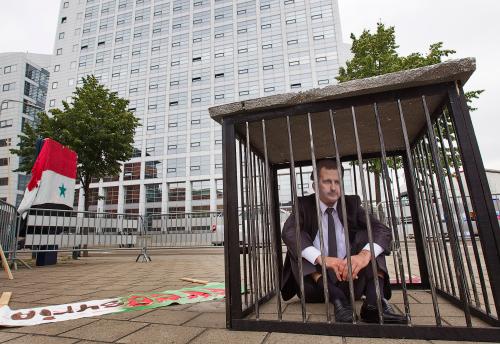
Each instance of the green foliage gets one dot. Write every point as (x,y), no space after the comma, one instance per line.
(376,54)
(97,125)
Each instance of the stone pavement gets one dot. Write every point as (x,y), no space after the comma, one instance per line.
(117,274)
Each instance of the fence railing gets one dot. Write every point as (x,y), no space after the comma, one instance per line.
(50,230)
(8,225)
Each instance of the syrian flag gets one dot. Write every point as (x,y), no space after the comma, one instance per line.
(53,176)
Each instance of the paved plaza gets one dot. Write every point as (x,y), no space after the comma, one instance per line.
(117,274)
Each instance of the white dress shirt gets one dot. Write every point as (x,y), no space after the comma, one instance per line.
(311,253)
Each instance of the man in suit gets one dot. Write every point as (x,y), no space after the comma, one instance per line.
(335,252)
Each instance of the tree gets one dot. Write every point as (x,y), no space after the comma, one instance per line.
(376,54)
(96,125)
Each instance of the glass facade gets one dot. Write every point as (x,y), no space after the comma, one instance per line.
(173,59)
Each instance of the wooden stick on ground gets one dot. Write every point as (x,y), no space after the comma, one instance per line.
(5,298)
(192,280)
(5,264)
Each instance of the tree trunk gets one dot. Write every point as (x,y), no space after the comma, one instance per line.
(86,199)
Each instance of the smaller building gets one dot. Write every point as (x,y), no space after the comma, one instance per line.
(23,81)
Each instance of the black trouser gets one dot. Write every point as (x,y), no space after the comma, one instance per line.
(338,289)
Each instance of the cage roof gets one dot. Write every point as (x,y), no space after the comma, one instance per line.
(385,90)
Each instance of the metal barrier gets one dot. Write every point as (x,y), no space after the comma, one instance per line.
(184,229)
(46,231)
(8,225)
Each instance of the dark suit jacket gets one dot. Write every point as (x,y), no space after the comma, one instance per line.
(308,221)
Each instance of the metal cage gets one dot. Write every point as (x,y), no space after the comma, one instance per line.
(416,126)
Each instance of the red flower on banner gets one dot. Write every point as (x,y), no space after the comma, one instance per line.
(138,301)
(194,294)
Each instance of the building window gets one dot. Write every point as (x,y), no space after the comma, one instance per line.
(6,123)
(243,71)
(4,181)
(63,20)
(4,161)
(132,171)
(55,84)
(52,103)
(318,37)
(71,82)
(294,63)
(219,75)
(292,41)
(241,12)
(291,21)
(244,30)
(8,87)
(61,35)
(5,142)
(296,85)
(244,93)
(219,55)
(132,194)
(66,4)
(59,51)
(57,68)
(9,69)
(267,46)
(265,26)
(321,59)
(265,7)
(268,67)
(323,82)
(269,89)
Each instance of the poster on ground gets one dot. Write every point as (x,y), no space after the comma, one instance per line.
(132,302)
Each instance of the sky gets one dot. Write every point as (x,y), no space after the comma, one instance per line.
(470,28)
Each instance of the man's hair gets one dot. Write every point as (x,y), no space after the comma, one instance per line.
(329,164)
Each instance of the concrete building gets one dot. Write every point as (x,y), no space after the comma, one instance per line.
(23,81)
(173,59)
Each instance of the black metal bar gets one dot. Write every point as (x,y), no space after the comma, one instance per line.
(315,173)
(452,333)
(429,216)
(444,246)
(251,225)
(477,257)
(231,251)
(456,254)
(298,238)
(370,198)
(270,223)
(392,210)
(414,198)
(355,178)
(243,226)
(403,220)
(337,104)
(344,217)
(257,227)
(368,222)
(426,217)
(487,223)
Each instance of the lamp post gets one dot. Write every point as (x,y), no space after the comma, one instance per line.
(7,101)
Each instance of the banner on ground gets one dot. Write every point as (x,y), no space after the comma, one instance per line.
(140,301)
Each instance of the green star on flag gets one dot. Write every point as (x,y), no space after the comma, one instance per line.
(62,191)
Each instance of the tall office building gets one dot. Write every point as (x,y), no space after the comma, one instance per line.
(23,81)
(173,59)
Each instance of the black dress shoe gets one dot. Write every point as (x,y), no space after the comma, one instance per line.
(369,314)
(343,311)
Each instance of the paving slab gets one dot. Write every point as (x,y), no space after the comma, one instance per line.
(165,316)
(5,336)
(217,336)
(37,339)
(55,328)
(105,330)
(159,333)
(276,337)
(212,320)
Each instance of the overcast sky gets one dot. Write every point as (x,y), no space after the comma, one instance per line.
(470,28)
